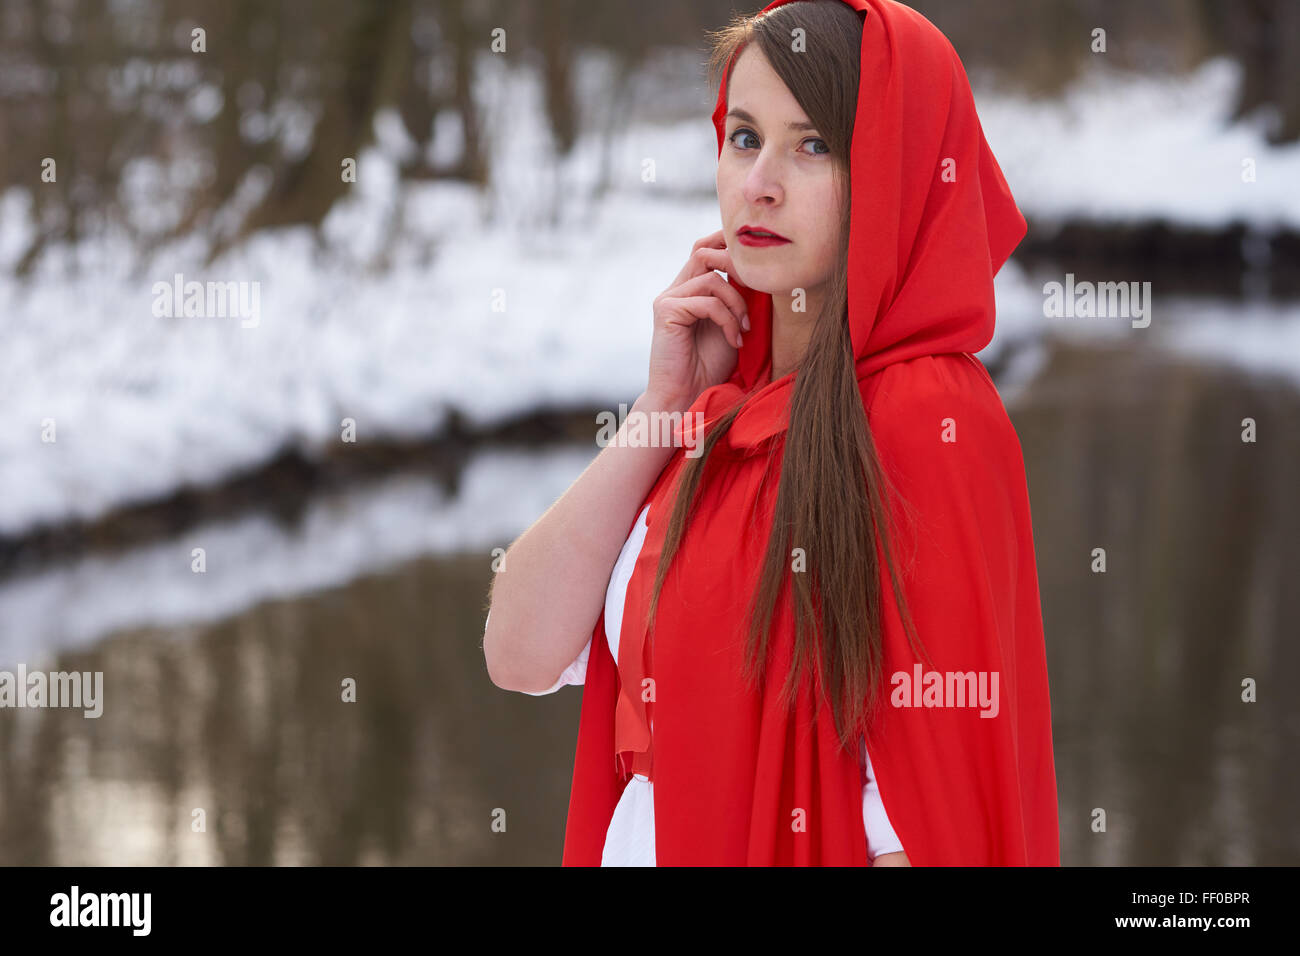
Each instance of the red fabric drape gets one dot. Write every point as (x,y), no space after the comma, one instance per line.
(739,780)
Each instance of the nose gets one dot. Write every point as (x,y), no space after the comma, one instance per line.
(763,181)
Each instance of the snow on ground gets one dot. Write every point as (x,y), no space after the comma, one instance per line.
(1132,147)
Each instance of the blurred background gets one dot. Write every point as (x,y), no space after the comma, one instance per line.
(448,255)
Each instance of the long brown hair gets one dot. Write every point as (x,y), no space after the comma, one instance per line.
(831,499)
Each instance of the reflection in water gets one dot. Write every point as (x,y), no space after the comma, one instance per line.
(1147,660)
(244,718)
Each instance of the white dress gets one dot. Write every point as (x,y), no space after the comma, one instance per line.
(630,840)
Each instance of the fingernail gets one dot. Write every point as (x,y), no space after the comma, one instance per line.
(740,340)
(744,321)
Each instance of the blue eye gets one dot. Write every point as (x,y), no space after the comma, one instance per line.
(825,151)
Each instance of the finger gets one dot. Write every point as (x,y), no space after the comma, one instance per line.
(712,241)
(719,259)
(711,282)
(690,309)
(693,266)
(735,301)
(708,262)
(705,259)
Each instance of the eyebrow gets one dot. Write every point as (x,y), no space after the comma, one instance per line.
(746,118)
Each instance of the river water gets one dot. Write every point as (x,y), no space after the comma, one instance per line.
(228,740)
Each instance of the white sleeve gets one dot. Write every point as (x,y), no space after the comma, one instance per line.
(575,673)
(880,834)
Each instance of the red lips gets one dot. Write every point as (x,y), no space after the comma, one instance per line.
(772,234)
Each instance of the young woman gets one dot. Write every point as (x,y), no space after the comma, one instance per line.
(852,527)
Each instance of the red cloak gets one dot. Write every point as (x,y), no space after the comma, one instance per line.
(737,779)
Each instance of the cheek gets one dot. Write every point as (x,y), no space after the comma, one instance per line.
(728,190)
(818,211)
(828,203)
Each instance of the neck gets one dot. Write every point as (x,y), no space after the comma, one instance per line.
(791,331)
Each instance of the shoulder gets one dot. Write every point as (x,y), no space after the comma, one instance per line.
(947,449)
(938,405)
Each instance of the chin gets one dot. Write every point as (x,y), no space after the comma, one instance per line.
(764,279)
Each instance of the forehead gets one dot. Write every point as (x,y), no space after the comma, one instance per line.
(756,89)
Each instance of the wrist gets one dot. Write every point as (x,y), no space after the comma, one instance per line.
(649,401)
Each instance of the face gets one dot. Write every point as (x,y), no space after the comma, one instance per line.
(779,177)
